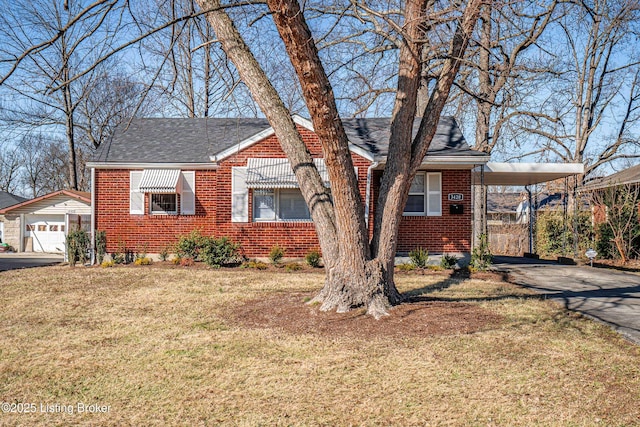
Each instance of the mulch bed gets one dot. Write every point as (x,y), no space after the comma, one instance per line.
(288,312)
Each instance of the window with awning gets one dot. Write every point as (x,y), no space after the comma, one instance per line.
(275,173)
(161,187)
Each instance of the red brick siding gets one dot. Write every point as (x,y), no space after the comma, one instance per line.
(446,233)
(213,211)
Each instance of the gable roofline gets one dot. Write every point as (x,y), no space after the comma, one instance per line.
(301,121)
(77,195)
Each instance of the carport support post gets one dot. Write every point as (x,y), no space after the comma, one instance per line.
(531,218)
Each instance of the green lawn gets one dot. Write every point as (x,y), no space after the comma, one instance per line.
(170,346)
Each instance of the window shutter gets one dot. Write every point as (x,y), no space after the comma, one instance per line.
(239,195)
(434,194)
(136,198)
(188,193)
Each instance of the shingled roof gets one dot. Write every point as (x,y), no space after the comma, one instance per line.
(195,140)
(626,176)
(8,199)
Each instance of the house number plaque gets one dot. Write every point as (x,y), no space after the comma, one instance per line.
(456,197)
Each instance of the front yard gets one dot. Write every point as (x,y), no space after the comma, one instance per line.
(184,346)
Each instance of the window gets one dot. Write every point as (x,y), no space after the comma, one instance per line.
(279,205)
(31,227)
(42,227)
(53,228)
(164,203)
(425,195)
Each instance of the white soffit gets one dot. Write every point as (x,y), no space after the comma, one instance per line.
(519,174)
(159,181)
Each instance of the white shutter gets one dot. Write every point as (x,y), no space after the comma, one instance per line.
(434,194)
(239,195)
(136,198)
(188,193)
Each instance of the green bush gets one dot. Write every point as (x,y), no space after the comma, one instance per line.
(218,252)
(419,257)
(313,259)
(555,234)
(258,265)
(164,253)
(101,245)
(78,243)
(481,257)
(276,254)
(189,245)
(294,266)
(405,267)
(120,255)
(448,261)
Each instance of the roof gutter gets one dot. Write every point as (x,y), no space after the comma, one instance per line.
(124,165)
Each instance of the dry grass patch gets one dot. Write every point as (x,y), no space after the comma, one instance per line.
(173,346)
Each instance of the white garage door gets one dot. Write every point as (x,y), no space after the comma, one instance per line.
(46,232)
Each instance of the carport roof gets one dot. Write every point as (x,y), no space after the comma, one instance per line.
(520,174)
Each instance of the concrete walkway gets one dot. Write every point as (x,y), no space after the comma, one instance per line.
(610,296)
(12,261)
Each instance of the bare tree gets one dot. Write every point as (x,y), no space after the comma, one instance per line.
(53,42)
(597,86)
(359,272)
(10,162)
(619,205)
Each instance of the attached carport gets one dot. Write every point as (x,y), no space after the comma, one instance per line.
(42,224)
(516,175)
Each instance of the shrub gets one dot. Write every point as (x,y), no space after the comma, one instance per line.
(120,255)
(481,257)
(189,245)
(313,258)
(555,233)
(177,260)
(448,261)
(419,257)
(276,254)
(294,266)
(405,266)
(143,261)
(78,243)
(186,262)
(258,265)
(107,264)
(101,245)
(164,253)
(218,252)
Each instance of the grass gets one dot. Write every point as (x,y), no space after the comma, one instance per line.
(158,347)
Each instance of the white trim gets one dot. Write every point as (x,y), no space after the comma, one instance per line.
(93,219)
(239,188)
(305,123)
(276,194)
(162,212)
(122,165)
(134,191)
(496,173)
(188,192)
(367,197)
(426,211)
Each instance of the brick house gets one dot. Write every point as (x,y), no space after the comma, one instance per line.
(160,178)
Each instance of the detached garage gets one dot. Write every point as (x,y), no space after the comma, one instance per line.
(41,224)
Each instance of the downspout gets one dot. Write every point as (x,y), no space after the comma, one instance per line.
(23,225)
(530,218)
(93,215)
(367,198)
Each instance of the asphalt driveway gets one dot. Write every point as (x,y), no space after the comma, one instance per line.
(12,261)
(610,296)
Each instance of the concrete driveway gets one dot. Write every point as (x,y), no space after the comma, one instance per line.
(610,296)
(12,261)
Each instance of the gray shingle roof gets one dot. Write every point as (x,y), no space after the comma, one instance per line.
(630,175)
(8,199)
(162,140)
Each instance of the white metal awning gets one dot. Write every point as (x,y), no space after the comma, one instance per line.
(519,174)
(277,173)
(164,181)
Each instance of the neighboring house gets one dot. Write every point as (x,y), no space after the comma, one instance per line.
(6,200)
(161,178)
(41,224)
(629,178)
(513,208)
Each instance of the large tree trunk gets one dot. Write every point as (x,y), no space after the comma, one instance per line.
(356,276)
